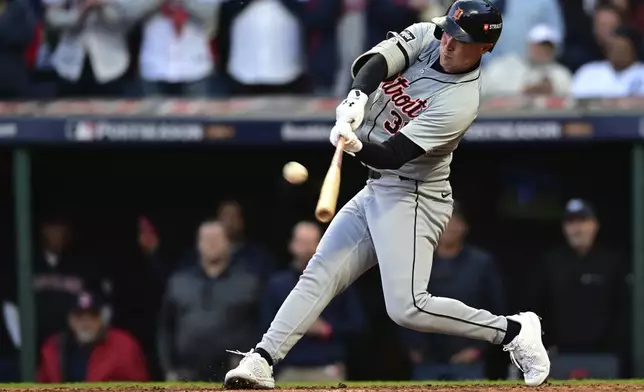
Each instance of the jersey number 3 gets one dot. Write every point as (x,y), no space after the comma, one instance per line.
(395,123)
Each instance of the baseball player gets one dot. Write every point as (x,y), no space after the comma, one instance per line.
(426,81)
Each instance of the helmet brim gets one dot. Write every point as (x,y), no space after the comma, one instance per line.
(449,25)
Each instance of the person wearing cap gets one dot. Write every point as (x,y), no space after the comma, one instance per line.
(536,73)
(89,350)
(519,17)
(581,289)
(620,76)
(468,274)
(61,272)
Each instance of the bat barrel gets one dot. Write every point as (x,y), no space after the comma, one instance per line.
(324,215)
(325,209)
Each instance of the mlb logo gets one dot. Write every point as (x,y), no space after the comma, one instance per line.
(85,131)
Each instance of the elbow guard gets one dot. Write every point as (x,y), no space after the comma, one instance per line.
(395,51)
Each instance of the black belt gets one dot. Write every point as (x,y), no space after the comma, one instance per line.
(374,175)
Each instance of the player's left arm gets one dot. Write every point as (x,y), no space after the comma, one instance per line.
(443,122)
(384,61)
(399,50)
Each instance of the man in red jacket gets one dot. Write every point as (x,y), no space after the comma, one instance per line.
(91,351)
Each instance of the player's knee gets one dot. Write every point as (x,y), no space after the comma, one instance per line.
(402,316)
(405,310)
(401,310)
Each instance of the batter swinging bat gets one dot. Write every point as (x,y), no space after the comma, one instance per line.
(328,200)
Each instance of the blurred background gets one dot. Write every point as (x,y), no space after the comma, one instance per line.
(147,225)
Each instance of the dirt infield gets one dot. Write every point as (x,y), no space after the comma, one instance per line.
(616,387)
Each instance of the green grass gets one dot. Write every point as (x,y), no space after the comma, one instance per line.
(356,384)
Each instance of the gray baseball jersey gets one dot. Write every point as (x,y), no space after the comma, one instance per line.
(431,108)
(394,222)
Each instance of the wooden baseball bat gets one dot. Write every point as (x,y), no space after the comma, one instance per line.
(328,200)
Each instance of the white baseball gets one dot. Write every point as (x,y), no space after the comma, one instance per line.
(295,173)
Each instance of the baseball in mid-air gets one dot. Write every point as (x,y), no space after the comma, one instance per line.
(295,173)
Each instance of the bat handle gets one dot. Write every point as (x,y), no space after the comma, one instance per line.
(341,142)
(339,149)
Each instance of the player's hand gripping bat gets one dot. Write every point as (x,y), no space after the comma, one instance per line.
(328,200)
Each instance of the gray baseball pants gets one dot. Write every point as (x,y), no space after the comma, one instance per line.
(395,223)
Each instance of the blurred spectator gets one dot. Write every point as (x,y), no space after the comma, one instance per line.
(137,310)
(384,16)
(9,339)
(579,40)
(149,244)
(258,259)
(582,17)
(605,22)
(632,12)
(207,308)
(321,20)
(581,289)
(92,54)
(43,76)
(17,25)
(90,350)
(468,274)
(176,56)
(350,38)
(321,353)
(60,274)
(254,257)
(432,8)
(265,46)
(537,74)
(621,76)
(519,17)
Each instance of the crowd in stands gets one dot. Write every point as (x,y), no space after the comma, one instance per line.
(226,290)
(222,48)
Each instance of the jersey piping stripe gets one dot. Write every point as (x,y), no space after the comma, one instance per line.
(404,52)
(413,272)
(444,82)
(375,121)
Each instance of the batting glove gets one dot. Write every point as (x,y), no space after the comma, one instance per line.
(351,142)
(351,110)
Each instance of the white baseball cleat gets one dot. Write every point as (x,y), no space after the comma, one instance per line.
(253,372)
(527,351)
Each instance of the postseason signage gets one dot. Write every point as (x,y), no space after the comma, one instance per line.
(291,120)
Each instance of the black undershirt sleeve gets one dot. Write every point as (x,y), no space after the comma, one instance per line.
(398,149)
(392,154)
(371,74)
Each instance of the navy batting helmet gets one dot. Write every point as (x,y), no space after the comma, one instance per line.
(476,21)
